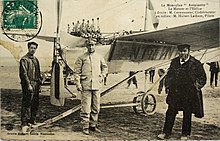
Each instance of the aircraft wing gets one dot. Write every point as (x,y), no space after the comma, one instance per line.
(71,41)
(42,37)
(46,38)
(161,44)
(66,39)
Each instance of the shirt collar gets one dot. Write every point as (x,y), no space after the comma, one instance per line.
(182,62)
(30,56)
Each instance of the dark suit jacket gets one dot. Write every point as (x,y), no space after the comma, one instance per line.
(184,83)
(29,70)
(214,66)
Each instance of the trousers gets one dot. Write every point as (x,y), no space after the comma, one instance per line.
(90,101)
(30,104)
(214,76)
(170,118)
(161,84)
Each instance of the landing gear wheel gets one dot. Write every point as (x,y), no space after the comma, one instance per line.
(148,104)
(138,109)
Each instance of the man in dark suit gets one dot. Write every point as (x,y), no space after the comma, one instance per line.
(29,73)
(185,78)
(214,69)
(152,73)
(133,79)
(161,84)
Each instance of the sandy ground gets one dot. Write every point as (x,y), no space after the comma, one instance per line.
(115,123)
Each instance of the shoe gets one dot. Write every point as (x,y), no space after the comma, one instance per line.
(162,136)
(95,129)
(24,129)
(33,124)
(184,137)
(86,131)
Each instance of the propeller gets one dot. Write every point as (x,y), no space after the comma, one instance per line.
(57,96)
(59,14)
(57,40)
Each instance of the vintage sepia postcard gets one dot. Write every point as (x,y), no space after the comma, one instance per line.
(109,69)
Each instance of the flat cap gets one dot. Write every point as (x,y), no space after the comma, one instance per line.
(183,46)
(90,42)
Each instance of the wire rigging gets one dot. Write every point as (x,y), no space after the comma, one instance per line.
(212,58)
(109,9)
(119,11)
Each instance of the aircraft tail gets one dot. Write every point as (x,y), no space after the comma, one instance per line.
(154,19)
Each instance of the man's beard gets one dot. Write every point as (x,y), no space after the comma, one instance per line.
(184,56)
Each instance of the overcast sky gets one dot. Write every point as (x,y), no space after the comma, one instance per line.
(115,15)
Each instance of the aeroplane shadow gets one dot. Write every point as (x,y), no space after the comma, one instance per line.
(115,123)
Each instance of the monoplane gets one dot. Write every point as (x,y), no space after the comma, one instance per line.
(128,49)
